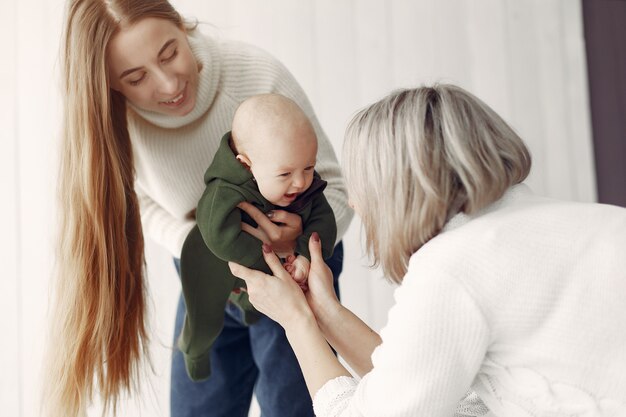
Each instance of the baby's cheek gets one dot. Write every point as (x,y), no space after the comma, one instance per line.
(270,193)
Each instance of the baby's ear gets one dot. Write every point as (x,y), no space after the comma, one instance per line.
(244,160)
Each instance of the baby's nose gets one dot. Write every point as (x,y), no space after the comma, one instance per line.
(298,181)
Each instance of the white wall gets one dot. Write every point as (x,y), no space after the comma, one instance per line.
(523,57)
(29,32)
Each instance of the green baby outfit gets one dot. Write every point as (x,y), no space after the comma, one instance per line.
(217,238)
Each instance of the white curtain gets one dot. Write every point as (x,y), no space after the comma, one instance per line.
(525,58)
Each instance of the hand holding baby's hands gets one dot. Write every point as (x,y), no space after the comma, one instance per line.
(298,268)
(276,295)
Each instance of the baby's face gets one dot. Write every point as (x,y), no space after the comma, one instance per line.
(284,169)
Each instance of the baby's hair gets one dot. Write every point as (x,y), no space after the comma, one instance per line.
(419,156)
(261,114)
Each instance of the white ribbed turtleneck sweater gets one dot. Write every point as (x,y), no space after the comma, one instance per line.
(522,301)
(172,153)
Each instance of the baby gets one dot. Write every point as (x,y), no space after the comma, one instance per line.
(267,160)
(274,140)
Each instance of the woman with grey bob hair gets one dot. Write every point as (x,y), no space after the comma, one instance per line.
(512,297)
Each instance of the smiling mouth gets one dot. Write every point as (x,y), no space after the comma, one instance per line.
(176,100)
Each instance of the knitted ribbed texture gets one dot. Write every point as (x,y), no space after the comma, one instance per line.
(522,302)
(172,153)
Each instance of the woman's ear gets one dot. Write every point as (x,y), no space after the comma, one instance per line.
(244,160)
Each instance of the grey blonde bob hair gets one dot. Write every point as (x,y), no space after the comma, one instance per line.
(419,156)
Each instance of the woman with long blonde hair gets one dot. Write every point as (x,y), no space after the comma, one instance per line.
(147,99)
(509,304)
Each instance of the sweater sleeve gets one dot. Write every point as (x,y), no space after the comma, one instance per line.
(219,221)
(432,348)
(161,226)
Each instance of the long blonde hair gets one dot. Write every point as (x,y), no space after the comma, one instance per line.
(419,156)
(99,336)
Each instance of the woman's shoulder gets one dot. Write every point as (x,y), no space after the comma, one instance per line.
(245,59)
(247,70)
(236,49)
(235,59)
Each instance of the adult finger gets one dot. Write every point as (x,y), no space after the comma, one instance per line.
(247,274)
(320,294)
(257,215)
(256,232)
(315,248)
(274,263)
(282,216)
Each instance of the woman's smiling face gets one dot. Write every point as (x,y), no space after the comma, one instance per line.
(151,64)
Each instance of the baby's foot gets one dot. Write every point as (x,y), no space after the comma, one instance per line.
(298,268)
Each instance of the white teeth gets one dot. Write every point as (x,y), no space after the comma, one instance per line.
(175,99)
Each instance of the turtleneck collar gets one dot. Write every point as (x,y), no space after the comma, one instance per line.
(512,194)
(207,54)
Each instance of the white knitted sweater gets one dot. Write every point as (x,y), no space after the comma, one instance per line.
(524,303)
(172,153)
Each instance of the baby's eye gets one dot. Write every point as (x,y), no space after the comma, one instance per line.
(309,168)
(284,174)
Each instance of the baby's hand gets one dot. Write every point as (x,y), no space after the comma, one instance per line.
(298,268)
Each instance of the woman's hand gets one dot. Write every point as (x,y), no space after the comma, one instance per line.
(280,298)
(321,293)
(278,228)
(277,296)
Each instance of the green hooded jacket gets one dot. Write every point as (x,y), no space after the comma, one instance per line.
(217,238)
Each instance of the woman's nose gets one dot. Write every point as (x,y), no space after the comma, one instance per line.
(167,83)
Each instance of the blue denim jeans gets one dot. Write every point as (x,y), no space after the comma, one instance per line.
(245,359)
